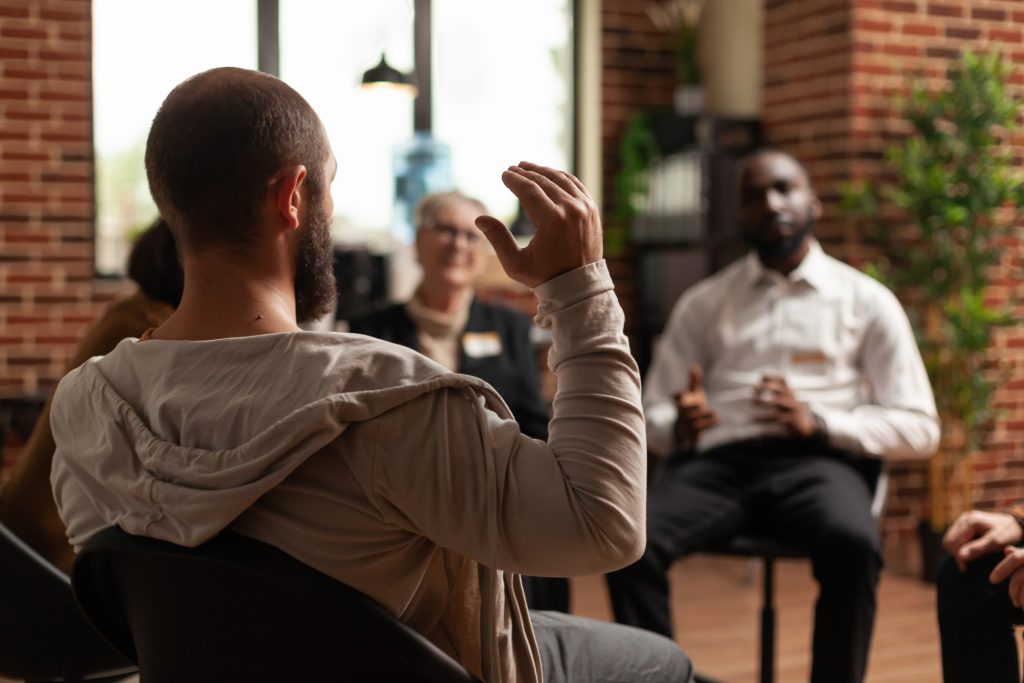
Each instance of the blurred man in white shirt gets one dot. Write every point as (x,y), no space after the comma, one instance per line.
(786,376)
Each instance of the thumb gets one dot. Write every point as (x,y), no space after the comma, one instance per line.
(976,548)
(696,377)
(501,239)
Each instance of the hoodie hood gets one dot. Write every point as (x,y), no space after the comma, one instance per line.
(175,439)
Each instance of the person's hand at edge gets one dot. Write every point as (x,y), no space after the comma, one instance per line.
(694,414)
(976,533)
(567,220)
(1011,567)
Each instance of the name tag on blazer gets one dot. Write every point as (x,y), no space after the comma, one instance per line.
(481,344)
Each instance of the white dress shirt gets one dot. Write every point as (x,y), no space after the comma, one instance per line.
(840,339)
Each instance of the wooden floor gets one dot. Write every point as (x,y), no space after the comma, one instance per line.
(716,603)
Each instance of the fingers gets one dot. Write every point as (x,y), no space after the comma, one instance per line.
(772,384)
(508,252)
(535,199)
(696,378)
(972,550)
(1016,588)
(960,532)
(706,421)
(566,181)
(1013,561)
(968,526)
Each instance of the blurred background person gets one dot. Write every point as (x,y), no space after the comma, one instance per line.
(26,501)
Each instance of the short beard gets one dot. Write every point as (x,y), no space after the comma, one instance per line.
(315,289)
(782,250)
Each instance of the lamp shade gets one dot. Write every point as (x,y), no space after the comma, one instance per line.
(386,75)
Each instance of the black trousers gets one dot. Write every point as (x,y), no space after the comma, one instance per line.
(976,620)
(802,494)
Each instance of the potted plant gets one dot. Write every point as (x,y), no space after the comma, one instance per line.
(679,19)
(938,224)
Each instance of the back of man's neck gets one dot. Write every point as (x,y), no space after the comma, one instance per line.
(229,301)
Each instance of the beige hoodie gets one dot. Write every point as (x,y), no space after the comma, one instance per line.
(373,464)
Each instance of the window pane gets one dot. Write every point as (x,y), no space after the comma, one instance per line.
(503,90)
(499,95)
(142,49)
(325,48)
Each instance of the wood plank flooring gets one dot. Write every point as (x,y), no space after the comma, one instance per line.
(716,603)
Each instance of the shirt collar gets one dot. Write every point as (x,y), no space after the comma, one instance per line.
(813,269)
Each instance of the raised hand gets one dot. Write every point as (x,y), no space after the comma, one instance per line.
(978,533)
(780,406)
(567,219)
(694,413)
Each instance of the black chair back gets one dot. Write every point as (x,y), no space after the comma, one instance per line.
(236,609)
(43,634)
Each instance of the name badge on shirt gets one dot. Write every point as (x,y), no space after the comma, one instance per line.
(481,344)
(808,358)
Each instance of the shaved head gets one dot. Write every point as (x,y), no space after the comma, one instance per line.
(216,144)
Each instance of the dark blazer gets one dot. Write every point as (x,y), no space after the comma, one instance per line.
(512,371)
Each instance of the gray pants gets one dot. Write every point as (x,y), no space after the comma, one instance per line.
(578,650)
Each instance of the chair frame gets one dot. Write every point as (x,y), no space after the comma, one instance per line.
(43,634)
(154,600)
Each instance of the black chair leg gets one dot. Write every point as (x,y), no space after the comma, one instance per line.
(768,622)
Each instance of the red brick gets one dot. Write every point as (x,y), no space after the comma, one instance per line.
(25,360)
(901,50)
(945,10)
(58,15)
(872,25)
(64,56)
(1005,35)
(28,279)
(10,32)
(24,156)
(943,52)
(963,33)
(27,319)
(988,13)
(900,5)
(22,238)
(916,29)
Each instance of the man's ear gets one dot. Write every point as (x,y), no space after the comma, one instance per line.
(289,194)
(816,210)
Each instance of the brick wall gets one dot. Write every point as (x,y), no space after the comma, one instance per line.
(47,294)
(638,75)
(832,68)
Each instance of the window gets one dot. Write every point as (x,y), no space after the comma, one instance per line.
(140,51)
(502,92)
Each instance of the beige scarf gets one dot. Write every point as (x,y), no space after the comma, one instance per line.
(438,333)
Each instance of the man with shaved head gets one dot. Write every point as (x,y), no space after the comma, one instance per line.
(783,379)
(363,459)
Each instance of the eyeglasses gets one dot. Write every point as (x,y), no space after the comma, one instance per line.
(450,234)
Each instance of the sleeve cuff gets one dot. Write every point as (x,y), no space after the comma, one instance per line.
(569,288)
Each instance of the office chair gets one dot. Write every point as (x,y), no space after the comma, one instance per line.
(43,634)
(237,609)
(767,550)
